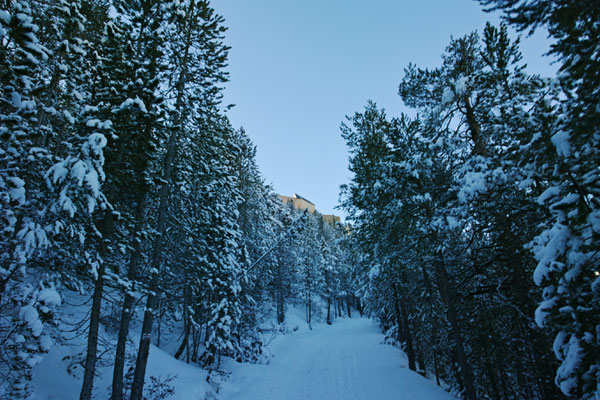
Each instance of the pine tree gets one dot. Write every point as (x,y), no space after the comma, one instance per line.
(198,57)
(564,155)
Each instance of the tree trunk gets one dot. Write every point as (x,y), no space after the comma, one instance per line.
(436,367)
(420,358)
(156,263)
(329,311)
(400,330)
(448,294)
(410,352)
(127,312)
(159,323)
(279,294)
(92,339)
(184,342)
(493,383)
(309,308)
(152,302)
(136,252)
(403,326)
(348,306)
(186,322)
(359,306)
(96,311)
(479,147)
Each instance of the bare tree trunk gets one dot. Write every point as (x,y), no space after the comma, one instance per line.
(152,302)
(348,306)
(184,343)
(127,312)
(461,358)
(399,322)
(95,313)
(493,383)
(329,311)
(92,339)
(136,252)
(403,327)
(436,367)
(420,357)
(279,294)
(159,323)
(186,322)
(410,352)
(359,306)
(479,147)
(309,307)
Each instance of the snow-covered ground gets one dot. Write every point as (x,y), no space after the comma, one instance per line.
(344,361)
(58,377)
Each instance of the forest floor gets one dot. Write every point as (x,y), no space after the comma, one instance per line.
(345,361)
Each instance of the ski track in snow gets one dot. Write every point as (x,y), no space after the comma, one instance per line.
(345,361)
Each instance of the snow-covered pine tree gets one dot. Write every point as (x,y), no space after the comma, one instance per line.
(147,20)
(197,58)
(44,215)
(286,254)
(118,107)
(485,87)
(446,203)
(565,156)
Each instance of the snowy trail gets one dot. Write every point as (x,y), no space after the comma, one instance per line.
(343,361)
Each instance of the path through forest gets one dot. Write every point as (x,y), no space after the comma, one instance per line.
(346,360)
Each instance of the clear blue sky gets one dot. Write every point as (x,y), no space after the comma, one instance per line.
(298,67)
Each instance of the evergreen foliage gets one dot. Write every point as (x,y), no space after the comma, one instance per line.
(454,199)
(121,177)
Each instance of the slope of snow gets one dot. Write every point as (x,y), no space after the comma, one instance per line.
(52,381)
(344,361)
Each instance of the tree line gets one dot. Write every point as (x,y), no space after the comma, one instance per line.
(122,179)
(478,218)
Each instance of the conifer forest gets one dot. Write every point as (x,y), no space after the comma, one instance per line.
(143,254)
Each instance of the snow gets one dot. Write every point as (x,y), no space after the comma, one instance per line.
(17,191)
(30,315)
(460,86)
(447,96)
(130,102)
(452,222)
(551,247)
(50,297)
(344,361)
(78,171)
(552,191)
(58,375)
(16,100)
(561,142)
(4,17)
(572,354)
(96,142)
(93,181)
(594,220)
(69,117)
(33,237)
(541,313)
(474,182)
(58,171)
(374,272)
